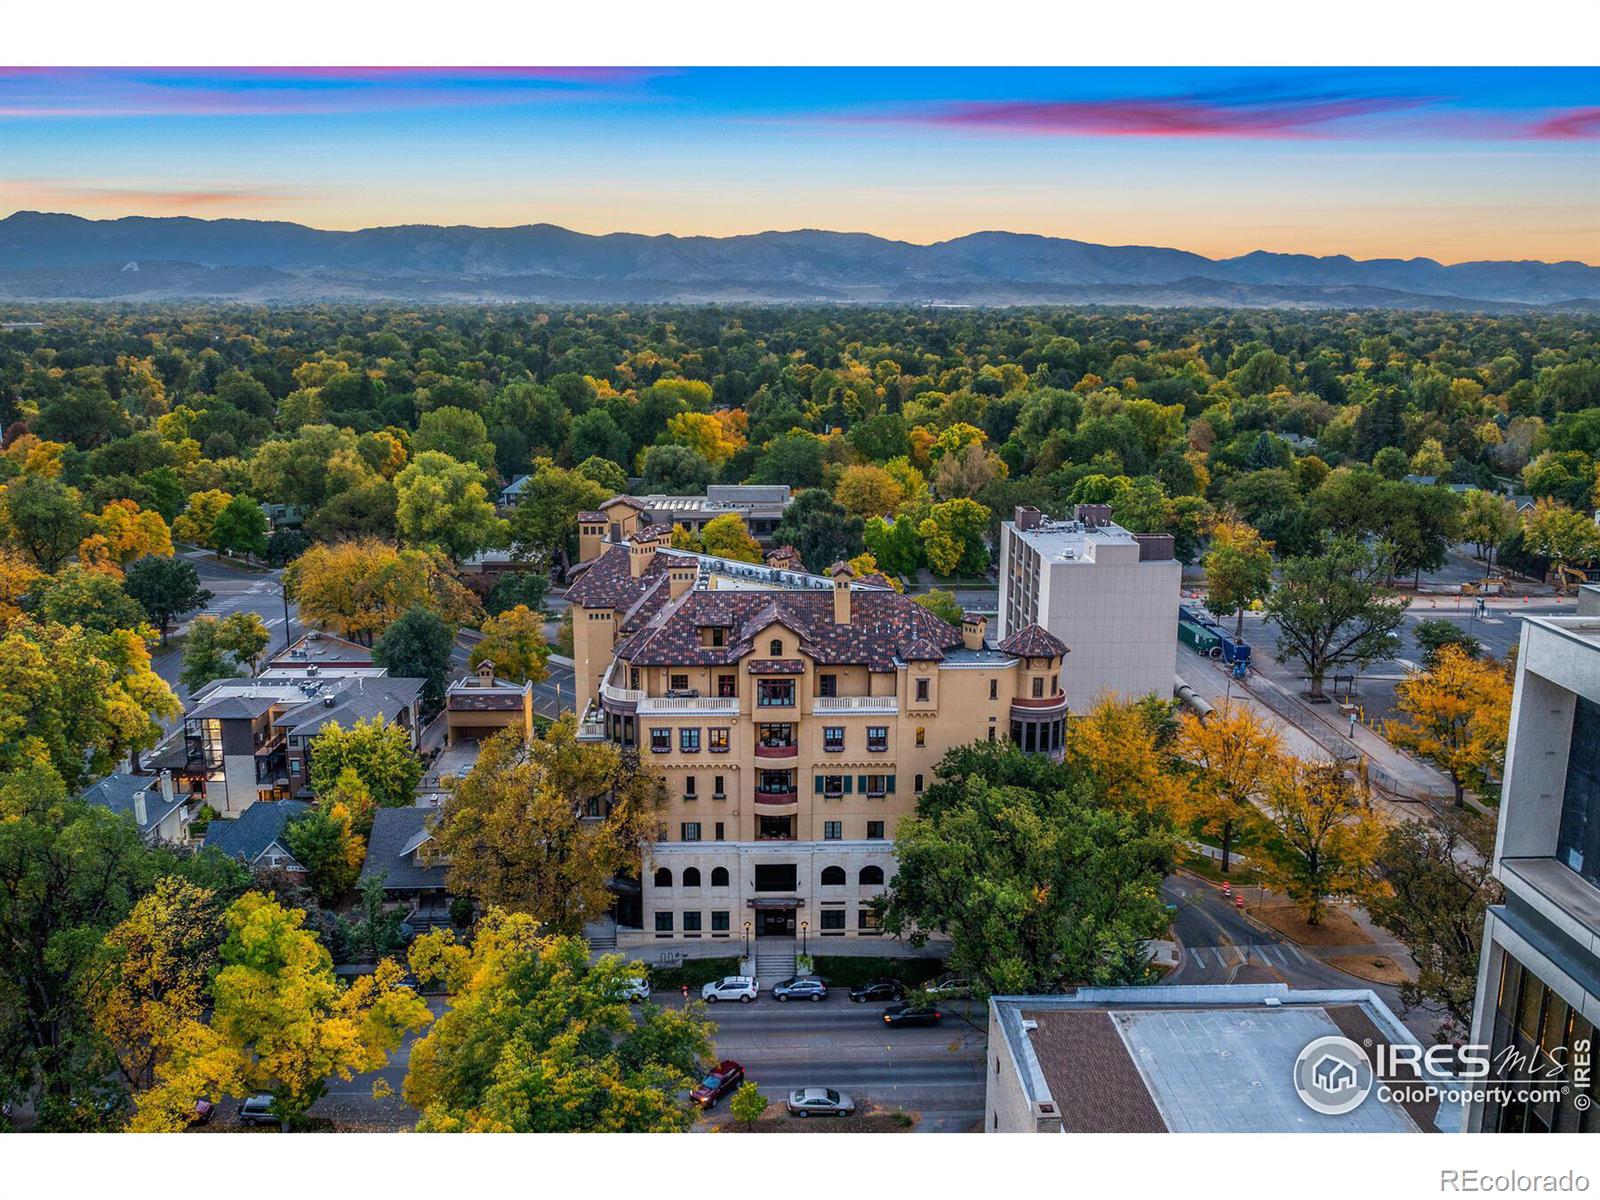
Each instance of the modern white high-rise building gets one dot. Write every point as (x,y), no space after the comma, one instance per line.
(1110,595)
(1539,980)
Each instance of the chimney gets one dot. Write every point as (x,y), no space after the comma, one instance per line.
(641,552)
(973,627)
(1026,516)
(1093,515)
(842,574)
(141,811)
(167,794)
(486,673)
(681,577)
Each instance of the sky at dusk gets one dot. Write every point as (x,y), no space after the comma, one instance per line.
(1447,163)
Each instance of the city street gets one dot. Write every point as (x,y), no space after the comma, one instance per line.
(934,1072)
(234,589)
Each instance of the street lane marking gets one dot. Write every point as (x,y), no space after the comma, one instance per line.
(1200,959)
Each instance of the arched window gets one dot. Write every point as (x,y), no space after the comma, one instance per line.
(691,877)
(871,874)
(719,876)
(833,876)
(776,647)
(663,877)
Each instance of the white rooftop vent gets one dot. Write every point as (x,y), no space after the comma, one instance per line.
(1273,1002)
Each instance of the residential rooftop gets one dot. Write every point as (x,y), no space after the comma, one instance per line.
(1196,1059)
(1090,536)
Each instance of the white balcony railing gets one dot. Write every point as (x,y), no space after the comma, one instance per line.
(621,694)
(855,704)
(716,706)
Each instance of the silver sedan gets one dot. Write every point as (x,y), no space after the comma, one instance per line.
(819,1102)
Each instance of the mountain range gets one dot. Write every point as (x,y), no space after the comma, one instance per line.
(58,256)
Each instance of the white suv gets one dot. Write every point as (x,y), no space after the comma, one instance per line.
(731,987)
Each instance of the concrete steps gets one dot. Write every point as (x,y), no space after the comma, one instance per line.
(774,964)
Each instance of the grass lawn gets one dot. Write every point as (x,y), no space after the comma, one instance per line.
(1289,919)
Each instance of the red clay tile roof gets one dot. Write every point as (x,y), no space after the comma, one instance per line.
(1034,642)
(591,516)
(776,666)
(662,631)
(922,650)
(628,500)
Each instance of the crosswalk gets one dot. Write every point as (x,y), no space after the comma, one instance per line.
(1279,954)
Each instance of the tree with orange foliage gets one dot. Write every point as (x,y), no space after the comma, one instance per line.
(123,532)
(1120,743)
(1234,753)
(359,588)
(1324,836)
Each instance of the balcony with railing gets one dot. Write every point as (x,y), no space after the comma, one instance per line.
(687,706)
(855,705)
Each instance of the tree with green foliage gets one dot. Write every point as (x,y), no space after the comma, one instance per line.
(285,545)
(539,1038)
(671,470)
(444,503)
(1561,535)
(240,528)
(748,1104)
(44,519)
(205,658)
(380,754)
(281,1022)
(1333,609)
(245,636)
(1037,883)
(544,523)
(604,472)
(1440,885)
(1487,520)
(512,588)
(955,537)
(1435,634)
(816,526)
(324,843)
(70,872)
(78,595)
(895,544)
(166,588)
(941,604)
(457,432)
(418,646)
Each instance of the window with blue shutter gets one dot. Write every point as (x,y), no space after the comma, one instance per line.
(891,784)
(817,780)
(848,780)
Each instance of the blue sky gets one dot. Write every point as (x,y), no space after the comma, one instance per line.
(1449,163)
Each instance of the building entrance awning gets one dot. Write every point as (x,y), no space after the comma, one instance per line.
(775,902)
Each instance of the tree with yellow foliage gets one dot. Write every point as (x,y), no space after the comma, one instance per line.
(18,577)
(514,642)
(727,536)
(1457,715)
(517,833)
(155,964)
(324,842)
(1234,754)
(868,491)
(71,696)
(123,532)
(539,1038)
(361,587)
(196,523)
(1323,836)
(281,1022)
(35,456)
(714,440)
(1119,743)
(865,564)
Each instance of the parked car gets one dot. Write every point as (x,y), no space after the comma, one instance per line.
(204,1110)
(911,1014)
(635,991)
(948,985)
(819,1102)
(721,1080)
(800,987)
(257,1110)
(878,989)
(742,988)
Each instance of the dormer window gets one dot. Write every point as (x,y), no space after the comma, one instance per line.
(775,648)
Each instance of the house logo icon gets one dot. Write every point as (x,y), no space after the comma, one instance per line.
(1333,1076)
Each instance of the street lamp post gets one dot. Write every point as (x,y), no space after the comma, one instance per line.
(747,939)
(283,591)
(803,928)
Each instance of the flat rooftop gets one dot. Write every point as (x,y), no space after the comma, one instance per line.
(1581,628)
(1214,1059)
(1074,541)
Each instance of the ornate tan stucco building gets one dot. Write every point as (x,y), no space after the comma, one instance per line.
(796,719)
